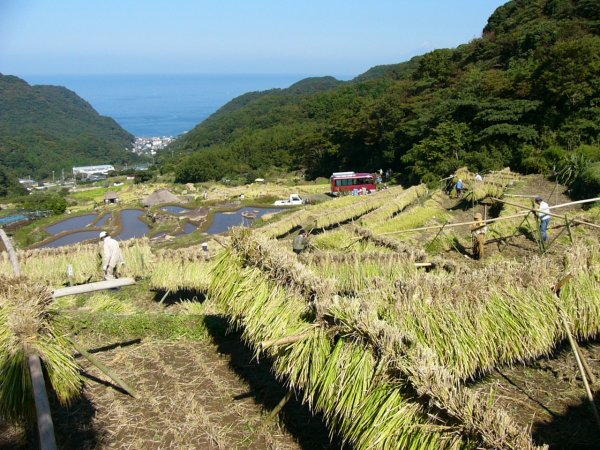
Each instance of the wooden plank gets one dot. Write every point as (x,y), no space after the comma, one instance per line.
(42,406)
(11,253)
(92,287)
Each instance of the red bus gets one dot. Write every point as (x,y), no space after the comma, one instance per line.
(348,181)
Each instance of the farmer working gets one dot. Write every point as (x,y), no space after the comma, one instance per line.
(459,188)
(111,256)
(300,242)
(478,230)
(543,214)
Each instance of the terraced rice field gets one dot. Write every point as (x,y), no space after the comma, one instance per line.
(386,337)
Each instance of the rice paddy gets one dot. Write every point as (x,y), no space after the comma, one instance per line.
(392,335)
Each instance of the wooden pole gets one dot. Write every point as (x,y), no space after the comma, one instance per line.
(11,253)
(578,357)
(284,340)
(554,214)
(92,287)
(164,296)
(277,408)
(104,369)
(452,225)
(38,385)
(42,406)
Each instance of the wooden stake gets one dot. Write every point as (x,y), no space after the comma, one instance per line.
(11,253)
(164,296)
(42,406)
(109,373)
(277,408)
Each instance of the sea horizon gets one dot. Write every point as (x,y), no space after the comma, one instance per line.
(160,104)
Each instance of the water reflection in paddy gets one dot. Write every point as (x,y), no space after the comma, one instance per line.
(72,223)
(133,227)
(103,220)
(72,239)
(189,228)
(223,221)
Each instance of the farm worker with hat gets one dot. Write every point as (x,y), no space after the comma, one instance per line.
(300,242)
(478,230)
(459,188)
(111,256)
(543,214)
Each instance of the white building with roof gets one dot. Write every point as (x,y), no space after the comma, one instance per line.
(86,171)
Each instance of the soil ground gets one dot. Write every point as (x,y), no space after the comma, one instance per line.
(548,395)
(191,395)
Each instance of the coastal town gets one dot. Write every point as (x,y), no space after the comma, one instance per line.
(150,145)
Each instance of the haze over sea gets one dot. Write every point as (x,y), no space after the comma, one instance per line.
(162,105)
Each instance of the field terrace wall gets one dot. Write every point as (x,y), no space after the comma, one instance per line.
(347,357)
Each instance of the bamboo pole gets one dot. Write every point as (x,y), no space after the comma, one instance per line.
(556,206)
(277,408)
(42,406)
(109,373)
(11,253)
(574,347)
(452,225)
(284,340)
(164,296)
(92,287)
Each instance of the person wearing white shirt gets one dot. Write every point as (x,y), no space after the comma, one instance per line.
(111,256)
(543,213)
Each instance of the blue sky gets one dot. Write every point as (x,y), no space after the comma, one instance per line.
(315,37)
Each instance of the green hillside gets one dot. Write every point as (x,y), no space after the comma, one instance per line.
(525,95)
(46,128)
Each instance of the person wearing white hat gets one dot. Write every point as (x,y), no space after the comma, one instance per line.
(111,256)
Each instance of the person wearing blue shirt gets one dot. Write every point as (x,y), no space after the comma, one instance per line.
(459,188)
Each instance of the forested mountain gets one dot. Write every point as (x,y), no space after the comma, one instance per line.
(46,128)
(525,95)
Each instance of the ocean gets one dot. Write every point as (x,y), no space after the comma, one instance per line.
(162,105)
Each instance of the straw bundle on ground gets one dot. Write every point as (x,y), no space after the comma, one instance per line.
(26,327)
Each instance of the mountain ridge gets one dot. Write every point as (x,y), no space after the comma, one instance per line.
(45,128)
(524,94)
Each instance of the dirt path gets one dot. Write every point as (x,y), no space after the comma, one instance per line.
(548,395)
(192,395)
